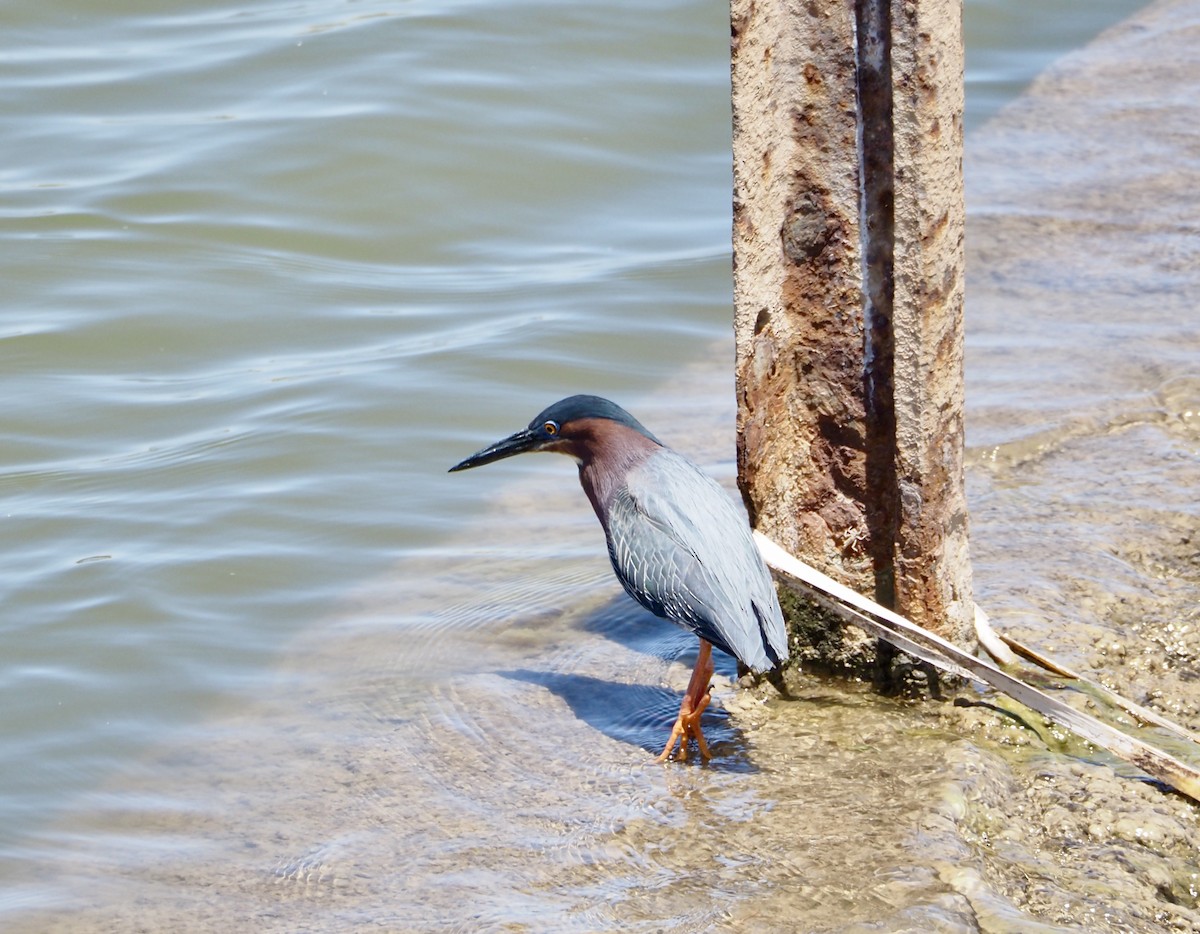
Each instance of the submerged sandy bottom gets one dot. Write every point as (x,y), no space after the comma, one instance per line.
(468,747)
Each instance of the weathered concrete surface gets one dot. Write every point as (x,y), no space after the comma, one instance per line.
(798,280)
(849,372)
(933,570)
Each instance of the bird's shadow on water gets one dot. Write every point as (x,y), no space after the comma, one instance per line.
(643,714)
(639,714)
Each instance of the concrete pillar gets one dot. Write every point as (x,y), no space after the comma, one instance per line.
(848,226)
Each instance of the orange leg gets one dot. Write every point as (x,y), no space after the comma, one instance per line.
(696,698)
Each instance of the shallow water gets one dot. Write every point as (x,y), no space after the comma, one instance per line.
(270,269)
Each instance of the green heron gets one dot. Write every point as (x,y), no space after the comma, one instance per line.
(678,544)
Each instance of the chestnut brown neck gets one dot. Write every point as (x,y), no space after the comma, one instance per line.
(606,452)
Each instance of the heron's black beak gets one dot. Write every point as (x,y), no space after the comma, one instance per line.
(519,443)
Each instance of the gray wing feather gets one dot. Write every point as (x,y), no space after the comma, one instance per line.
(683,550)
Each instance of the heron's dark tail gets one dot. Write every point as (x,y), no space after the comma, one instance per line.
(776,650)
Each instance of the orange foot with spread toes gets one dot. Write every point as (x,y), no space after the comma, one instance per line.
(687,726)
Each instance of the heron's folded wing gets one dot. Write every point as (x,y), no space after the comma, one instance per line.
(682,548)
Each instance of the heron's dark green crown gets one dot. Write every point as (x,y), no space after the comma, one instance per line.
(574,426)
(578,407)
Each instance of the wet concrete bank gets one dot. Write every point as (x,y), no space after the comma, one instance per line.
(1084,263)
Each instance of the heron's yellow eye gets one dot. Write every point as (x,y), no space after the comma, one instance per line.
(550,428)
